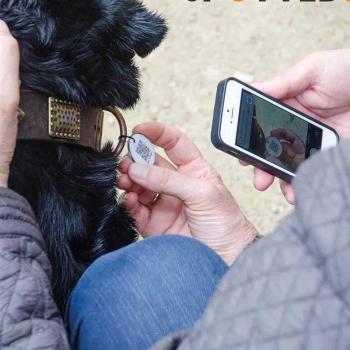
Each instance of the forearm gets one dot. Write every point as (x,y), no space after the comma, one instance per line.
(28,314)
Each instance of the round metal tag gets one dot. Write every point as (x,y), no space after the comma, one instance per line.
(274,147)
(141,149)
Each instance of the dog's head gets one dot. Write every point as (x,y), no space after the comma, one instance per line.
(83,50)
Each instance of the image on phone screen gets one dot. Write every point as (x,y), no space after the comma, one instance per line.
(274,134)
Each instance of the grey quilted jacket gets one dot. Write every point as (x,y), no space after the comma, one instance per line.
(29,318)
(290,290)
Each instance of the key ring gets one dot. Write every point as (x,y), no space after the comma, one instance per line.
(127,137)
(122,127)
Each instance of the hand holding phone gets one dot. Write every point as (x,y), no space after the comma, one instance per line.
(264,132)
(318,86)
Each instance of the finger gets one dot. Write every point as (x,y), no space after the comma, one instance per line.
(289,150)
(294,103)
(165,181)
(164,163)
(159,160)
(295,81)
(134,187)
(125,164)
(4,27)
(147,197)
(262,180)
(288,192)
(130,201)
(283,134)
(176,144)
(139,212)
(9,72)
(124,182)
(294,139)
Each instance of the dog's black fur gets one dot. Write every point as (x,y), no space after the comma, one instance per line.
(80,50)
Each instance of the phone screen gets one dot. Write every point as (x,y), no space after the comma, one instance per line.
(275,134)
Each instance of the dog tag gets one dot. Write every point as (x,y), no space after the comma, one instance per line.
(141,149)
(274,147)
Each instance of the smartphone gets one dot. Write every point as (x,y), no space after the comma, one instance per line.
(265,132)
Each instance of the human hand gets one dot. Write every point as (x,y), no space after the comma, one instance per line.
(194,201)
(318,86)
(9,100)
(293,149)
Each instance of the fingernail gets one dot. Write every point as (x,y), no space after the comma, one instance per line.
(124,158)
(138,171)
(3,26)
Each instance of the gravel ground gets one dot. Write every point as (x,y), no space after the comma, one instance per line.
(209,41)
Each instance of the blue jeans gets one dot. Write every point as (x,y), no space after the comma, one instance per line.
(135,296)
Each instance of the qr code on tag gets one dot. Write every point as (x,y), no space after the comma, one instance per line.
(143,151)
(274,147)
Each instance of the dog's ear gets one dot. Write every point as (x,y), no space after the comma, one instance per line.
(82,50)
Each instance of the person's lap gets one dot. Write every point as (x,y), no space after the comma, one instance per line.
(133,297)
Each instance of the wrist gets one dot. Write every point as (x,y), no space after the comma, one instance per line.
(4,178)
(241,236)
(3,183)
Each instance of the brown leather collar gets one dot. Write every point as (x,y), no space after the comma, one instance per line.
(43,118)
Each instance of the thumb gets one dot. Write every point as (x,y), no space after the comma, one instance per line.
(163,180)
(294,82)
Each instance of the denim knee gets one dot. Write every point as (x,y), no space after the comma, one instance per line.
(133,297)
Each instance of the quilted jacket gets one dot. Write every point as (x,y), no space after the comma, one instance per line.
(29,318)
(290,290)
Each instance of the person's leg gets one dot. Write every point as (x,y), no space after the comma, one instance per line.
(133,297)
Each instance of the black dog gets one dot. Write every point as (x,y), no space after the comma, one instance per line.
(81,51)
